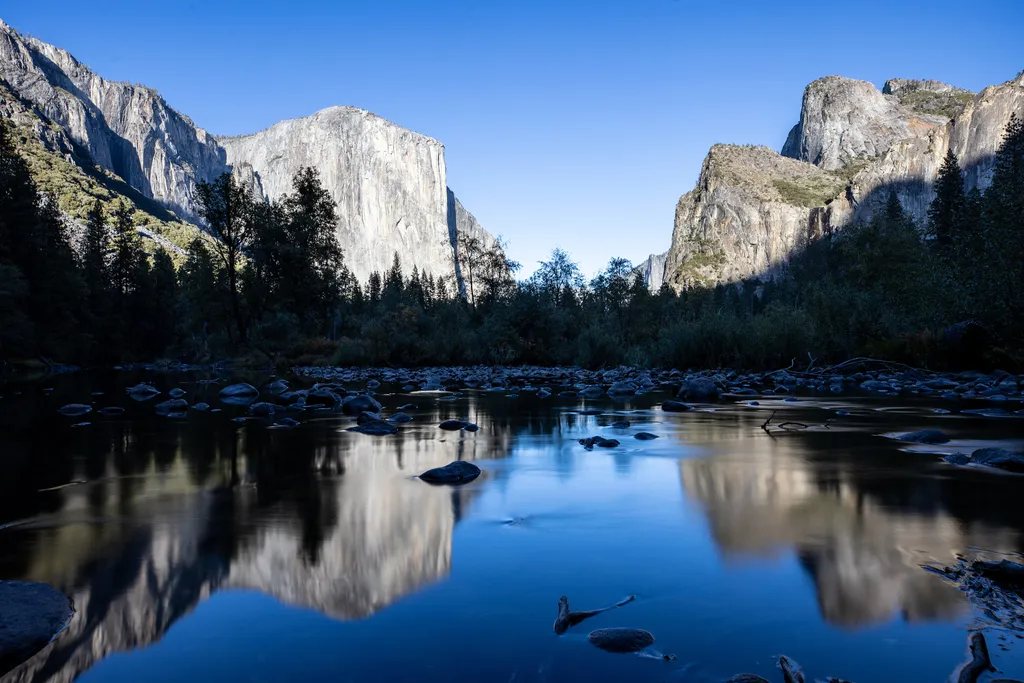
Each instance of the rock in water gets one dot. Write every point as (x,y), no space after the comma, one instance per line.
(380,428)
(645,436)
(791,671)
(699,389)
(999,458)
(671,406)
(171,406)
(621,639)
(264,409)
(354,405)
(978,661)
(458,472)
(142,392)
(31,614)
(239,391)
(75,410)
(622,389)
(1003,572)
(926,436)
(453,425)
(747,678)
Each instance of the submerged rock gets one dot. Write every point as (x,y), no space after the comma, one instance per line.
(31,614)
(400,418)
(671,406)
(75,410)
(380,428)
(111,411)
(453,425)
(176,392)
(747,678)
(621,639)
(458,472)
(621,424)
(645,436)
(926,436)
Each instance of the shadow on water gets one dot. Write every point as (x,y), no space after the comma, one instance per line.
(738,544)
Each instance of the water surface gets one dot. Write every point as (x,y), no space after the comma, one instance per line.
(206,550)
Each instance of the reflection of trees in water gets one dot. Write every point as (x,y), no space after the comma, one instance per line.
(860,531)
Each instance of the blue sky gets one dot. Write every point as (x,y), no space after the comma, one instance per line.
(570,124)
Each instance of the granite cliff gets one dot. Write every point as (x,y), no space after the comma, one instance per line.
(753,208)
(389,182)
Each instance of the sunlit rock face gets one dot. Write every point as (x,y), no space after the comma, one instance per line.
(865,558)
(653,271)
(127,129)
(752,209)
(389,183)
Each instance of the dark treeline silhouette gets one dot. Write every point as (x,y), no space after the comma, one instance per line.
(269,278)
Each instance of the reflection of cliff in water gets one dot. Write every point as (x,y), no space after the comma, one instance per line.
(863,551)
(137,552)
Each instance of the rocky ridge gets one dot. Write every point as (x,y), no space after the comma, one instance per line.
(752,207)
(389,182)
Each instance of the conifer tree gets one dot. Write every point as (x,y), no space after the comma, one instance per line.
(946,212)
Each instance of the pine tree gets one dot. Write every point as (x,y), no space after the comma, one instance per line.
(946,212)
(226,207)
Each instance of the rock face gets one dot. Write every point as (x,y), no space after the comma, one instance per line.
(752,208)
(653,271)
(127,129)
(389,183)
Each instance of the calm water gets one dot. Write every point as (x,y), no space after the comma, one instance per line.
(204,550)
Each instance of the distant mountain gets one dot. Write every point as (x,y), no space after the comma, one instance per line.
(753,208)
(389,183)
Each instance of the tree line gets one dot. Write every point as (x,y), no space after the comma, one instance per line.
(269,279)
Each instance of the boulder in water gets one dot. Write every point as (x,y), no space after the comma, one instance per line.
(354,405)
(176,392)
(142,392)
(747,678)
(671,406)
(645,436)
(380,428)
(263,409)
(400,418)
(75,410)
(32,614)
(111,411)
(453,425)
(241,390)
(926,436)
(622,389)
(276,388)
(458,472)
(621,639)
(171,406)
(999,458)
(699,389)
